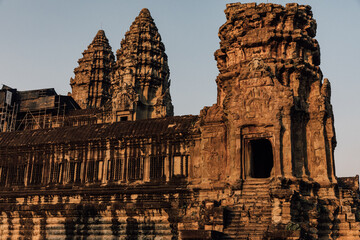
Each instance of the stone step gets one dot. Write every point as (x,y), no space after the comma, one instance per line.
(255,188)
(251,216)
(253,197)
(240,217)
(253,192)
(247,220)
(247,227)
(244,236)
(155,233)
(249,208)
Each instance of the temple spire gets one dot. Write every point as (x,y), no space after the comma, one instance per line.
(145,13)
(141,75)
(91,85)
(100,39)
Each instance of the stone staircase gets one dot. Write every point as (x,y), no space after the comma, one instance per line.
(251,215)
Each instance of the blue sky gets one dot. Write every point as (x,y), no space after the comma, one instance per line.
(41,41)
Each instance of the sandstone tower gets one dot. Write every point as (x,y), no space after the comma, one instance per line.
(273,95)
(91,85)
(141,74)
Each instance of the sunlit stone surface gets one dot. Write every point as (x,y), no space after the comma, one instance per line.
(112,162)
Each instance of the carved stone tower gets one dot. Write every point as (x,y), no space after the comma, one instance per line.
(141,76)
(91,85)
(270,89)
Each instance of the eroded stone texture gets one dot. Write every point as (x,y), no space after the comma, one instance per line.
(120,180)
(141,77)
(258,164)
(271,131)
(270,87)
(91,85)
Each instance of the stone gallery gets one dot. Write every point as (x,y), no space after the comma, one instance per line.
(111,161)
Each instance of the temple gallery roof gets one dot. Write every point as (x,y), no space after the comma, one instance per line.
(163,127)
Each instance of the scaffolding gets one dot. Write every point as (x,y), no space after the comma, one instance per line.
(40,110)
(8,114)
(44,118)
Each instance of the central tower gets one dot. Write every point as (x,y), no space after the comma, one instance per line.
(140,85)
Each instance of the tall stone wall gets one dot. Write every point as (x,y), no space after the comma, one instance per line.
(59,215)
(121,180)
(118,153)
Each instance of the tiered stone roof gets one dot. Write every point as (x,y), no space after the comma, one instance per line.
(170,128)
(141,76)
(91,85)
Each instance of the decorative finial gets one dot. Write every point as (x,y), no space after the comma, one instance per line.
(145,13)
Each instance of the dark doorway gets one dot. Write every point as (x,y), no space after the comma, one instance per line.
(261,157)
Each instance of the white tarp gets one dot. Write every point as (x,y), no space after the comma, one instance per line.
(8,97)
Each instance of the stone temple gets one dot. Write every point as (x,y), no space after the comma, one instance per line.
(110,161)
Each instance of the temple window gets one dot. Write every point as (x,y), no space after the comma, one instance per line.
(157,167)
(114,169)
(16,174)
(56,172)
(95,171)
(36,173)
(135,168)
(74,172)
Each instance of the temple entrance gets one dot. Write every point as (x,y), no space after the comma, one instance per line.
(261,158)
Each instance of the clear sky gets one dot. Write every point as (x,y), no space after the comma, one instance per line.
(41,41)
